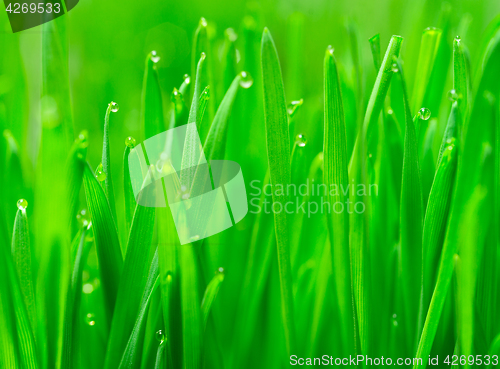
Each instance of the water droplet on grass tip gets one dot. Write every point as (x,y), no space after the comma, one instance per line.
(90,319)
(114,106)
(187,79)
(424,114)
(160,336)
(220,270)
(458,38)
(330,49)
(203,22)
(246,80)
(22,204)
(394,67)
(293,107)
(100,174)
(454,95)
(203,56)
(395,320)
(154,57)
(130,142)
(300,140)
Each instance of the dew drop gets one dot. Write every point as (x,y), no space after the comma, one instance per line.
(394,67)
(293,107)
(82,218)
(114,106)
(160,335)
(100,174)
(187,79)
(203,56)
(219,270)
(300,140)
(203,22)
(90,319)
(22,204)
(246,80)
(424,114)
(330,49)
(395,320)
(454,95)
(458,38)
(130,142)
(154,57)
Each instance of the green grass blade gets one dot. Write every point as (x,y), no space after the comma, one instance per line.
(71,320)
(161,362)
(169,278)
(133,279)
(11,294)
(75,166)
(215,144)
(429,45)
(469,228)
(191,154)
(128,192)
(411,222)
(375,49)
(152,106)
(8,355)
(379,91)
(106,160)
(21,252)
(461,78)
(106,239)
(335,171)
(179,112)
(278,152)
(210,294)
(131,358)
(190,307)
(435,222)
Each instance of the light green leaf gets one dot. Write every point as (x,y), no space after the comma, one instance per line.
(278,152)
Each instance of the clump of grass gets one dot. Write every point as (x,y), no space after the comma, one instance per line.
(93,279)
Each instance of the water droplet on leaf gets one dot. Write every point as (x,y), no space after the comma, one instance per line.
(300,140)
(130,142)
(187,79)
(160,336)
(454,95)
(154,57)
(394,67)
(90,319)
(114,106)
(330,49)
(22,204)
(100,174)
(424,114)
(246,80)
